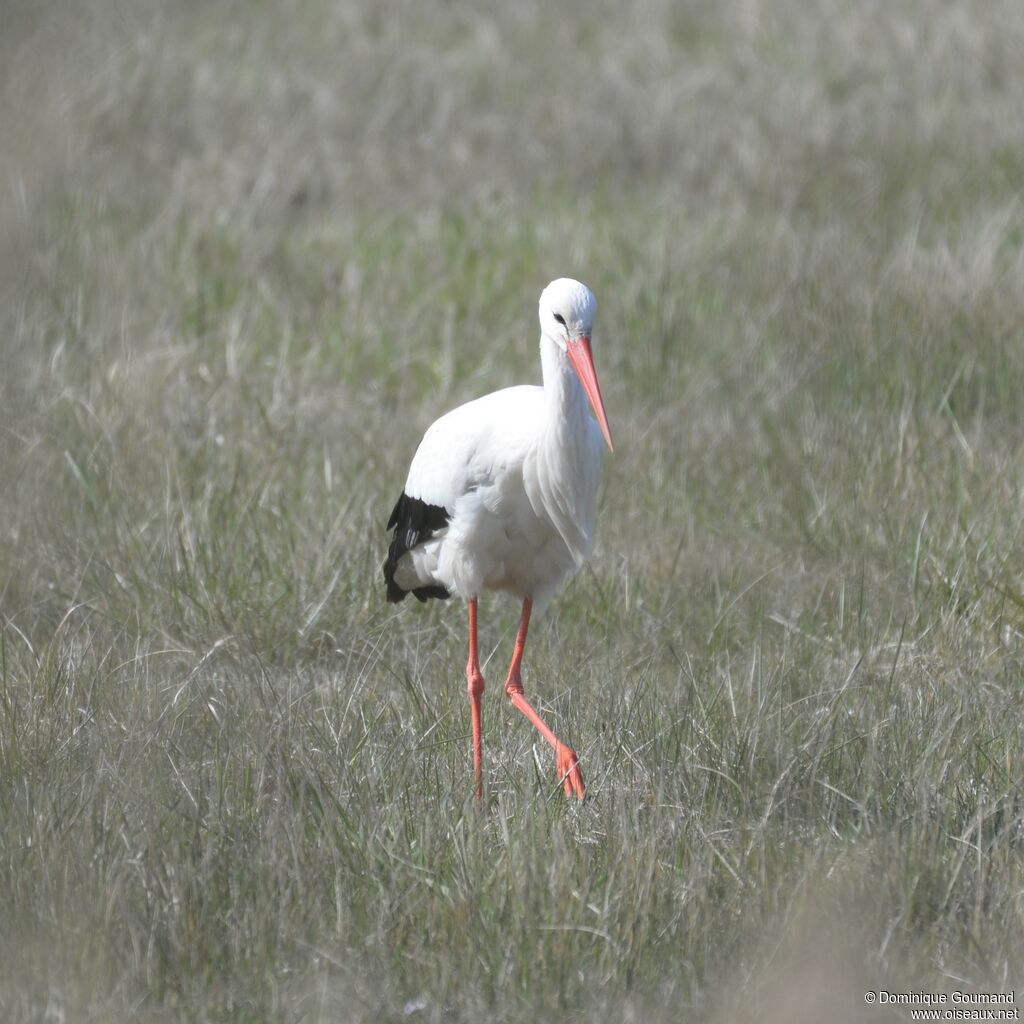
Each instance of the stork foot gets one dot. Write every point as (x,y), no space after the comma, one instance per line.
(567,764)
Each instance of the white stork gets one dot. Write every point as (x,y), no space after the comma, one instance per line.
(502,495)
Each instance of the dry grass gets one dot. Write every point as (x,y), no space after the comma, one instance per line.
(247,253)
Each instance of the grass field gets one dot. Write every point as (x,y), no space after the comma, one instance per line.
(248,251)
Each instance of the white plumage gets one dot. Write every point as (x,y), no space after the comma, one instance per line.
(502,492)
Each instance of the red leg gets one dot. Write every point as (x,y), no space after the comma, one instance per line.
(567,764)
(475,686)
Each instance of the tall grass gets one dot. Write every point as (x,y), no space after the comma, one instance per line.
(247,254)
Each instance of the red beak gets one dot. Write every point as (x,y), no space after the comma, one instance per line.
(583,363)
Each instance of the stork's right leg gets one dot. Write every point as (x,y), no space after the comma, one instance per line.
(475,686)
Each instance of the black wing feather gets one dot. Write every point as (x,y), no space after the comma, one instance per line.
(413,521)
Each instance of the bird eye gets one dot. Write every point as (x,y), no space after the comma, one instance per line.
(560,319)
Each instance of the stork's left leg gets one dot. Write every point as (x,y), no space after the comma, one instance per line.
(567,763)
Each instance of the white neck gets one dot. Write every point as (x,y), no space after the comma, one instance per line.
(567,463)
(564,401)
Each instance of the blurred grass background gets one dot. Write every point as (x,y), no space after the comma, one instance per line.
(248,251)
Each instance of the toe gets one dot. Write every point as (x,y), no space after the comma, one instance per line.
(569,772)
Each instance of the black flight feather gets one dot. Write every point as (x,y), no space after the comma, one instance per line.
(413,521)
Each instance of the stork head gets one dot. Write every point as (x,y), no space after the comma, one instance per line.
(567,310)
